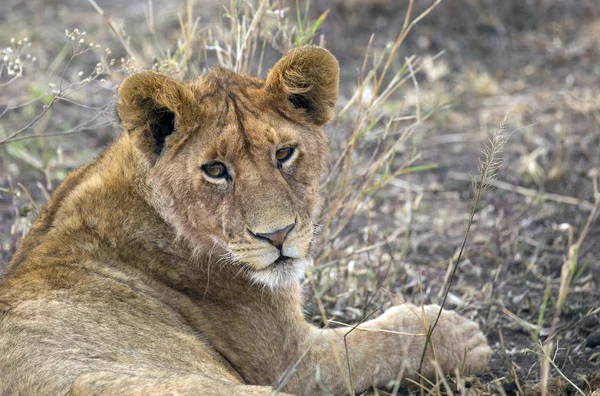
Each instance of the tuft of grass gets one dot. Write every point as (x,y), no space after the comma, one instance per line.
(305,30)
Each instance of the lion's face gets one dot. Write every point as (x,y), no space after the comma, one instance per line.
(234,163)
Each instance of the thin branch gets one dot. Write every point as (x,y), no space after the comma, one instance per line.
(528,192)
(9,138)
(112,27)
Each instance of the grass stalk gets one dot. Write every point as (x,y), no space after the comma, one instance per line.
(488,169)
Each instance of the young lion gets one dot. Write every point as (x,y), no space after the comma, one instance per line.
(172,263)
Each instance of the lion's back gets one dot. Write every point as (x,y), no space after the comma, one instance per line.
(91,323)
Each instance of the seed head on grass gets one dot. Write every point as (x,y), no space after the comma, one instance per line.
(490,164)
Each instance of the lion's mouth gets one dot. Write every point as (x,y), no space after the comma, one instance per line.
(281,273)
(282,260)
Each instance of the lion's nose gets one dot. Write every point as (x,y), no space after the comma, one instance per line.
(276,238)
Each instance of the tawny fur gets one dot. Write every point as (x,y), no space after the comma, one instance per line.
(141,275)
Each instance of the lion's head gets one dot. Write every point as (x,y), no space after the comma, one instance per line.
(233,163)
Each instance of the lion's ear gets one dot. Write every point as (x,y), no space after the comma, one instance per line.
(149,105)
(307,78)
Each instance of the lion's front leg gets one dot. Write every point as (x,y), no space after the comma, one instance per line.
(111,383)
(388,348)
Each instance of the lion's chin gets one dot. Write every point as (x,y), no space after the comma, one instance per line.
(283,273)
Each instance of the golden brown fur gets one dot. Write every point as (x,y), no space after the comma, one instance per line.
(144,275)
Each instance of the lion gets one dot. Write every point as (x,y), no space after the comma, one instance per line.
(172,263)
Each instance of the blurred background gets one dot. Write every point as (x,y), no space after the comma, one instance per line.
(424,87)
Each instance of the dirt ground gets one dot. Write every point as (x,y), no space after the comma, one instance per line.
(535,62)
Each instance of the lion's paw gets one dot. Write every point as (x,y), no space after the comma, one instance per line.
(458,342)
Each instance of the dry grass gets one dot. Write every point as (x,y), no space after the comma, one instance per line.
(397,189)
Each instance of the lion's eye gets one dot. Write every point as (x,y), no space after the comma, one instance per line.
(284,154)
(216,170)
